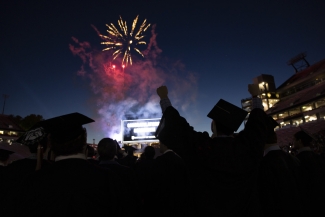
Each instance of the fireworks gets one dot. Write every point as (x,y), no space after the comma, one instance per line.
(122,41)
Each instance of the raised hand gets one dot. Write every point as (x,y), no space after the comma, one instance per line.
(162,92)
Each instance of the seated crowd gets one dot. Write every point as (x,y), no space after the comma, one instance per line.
(197,174)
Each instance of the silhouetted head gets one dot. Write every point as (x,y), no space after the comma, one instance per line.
(107,149)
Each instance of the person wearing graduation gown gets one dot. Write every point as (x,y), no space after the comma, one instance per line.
(24,167)
(280,181)
(143,168)
(313,171)
(129,160)
(170,185)
(107,149)
(4,157)
(4,191)
(223,168)
(72,186)
(20,169)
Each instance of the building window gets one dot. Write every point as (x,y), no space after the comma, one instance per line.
(297,122)
(309,118)
(1,132)
(322,115)
(285,124)
(12,133)
(320,103)
(272,102)
(307,107)
(283,115)
(264,103)
(294,111)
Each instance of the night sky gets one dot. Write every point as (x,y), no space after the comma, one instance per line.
(52,61)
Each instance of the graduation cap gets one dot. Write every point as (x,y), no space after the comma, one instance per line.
(32,136)
(227,115)
(4,154)
(307,137)
(274,123)
(62,129)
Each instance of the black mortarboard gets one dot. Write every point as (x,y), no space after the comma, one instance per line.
(227,114)
(308,135)
(32,136)
(274,123)
(62,129)
(4,154)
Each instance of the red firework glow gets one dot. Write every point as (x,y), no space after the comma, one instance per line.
(124,90)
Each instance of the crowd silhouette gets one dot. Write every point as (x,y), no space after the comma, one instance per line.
(196,174)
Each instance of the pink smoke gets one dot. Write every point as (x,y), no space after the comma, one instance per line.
(132,91)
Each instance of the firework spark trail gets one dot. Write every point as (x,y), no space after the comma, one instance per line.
(132,92)
(124,42)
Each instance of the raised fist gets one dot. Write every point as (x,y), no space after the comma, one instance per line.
(162,92)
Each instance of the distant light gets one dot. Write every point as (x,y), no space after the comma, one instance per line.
(144,129)
(123,66)
(143,124)
(113,66)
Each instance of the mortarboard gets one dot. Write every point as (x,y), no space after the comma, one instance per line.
(308,135)
(32,136)
(274,123)
(227,114)
(62,129)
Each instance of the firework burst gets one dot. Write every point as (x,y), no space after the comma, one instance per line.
(123,41)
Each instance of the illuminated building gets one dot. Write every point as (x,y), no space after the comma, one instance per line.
(9,132)
(298,102)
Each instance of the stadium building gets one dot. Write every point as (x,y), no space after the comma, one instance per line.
(297,103)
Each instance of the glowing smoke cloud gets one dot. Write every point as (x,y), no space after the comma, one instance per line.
(133,92)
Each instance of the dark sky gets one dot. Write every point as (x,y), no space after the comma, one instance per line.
(203,51)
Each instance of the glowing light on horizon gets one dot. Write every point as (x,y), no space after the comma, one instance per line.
(143,124)
(144,129)
(122,41)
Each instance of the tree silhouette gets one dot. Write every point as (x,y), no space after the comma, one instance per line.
(27,122)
